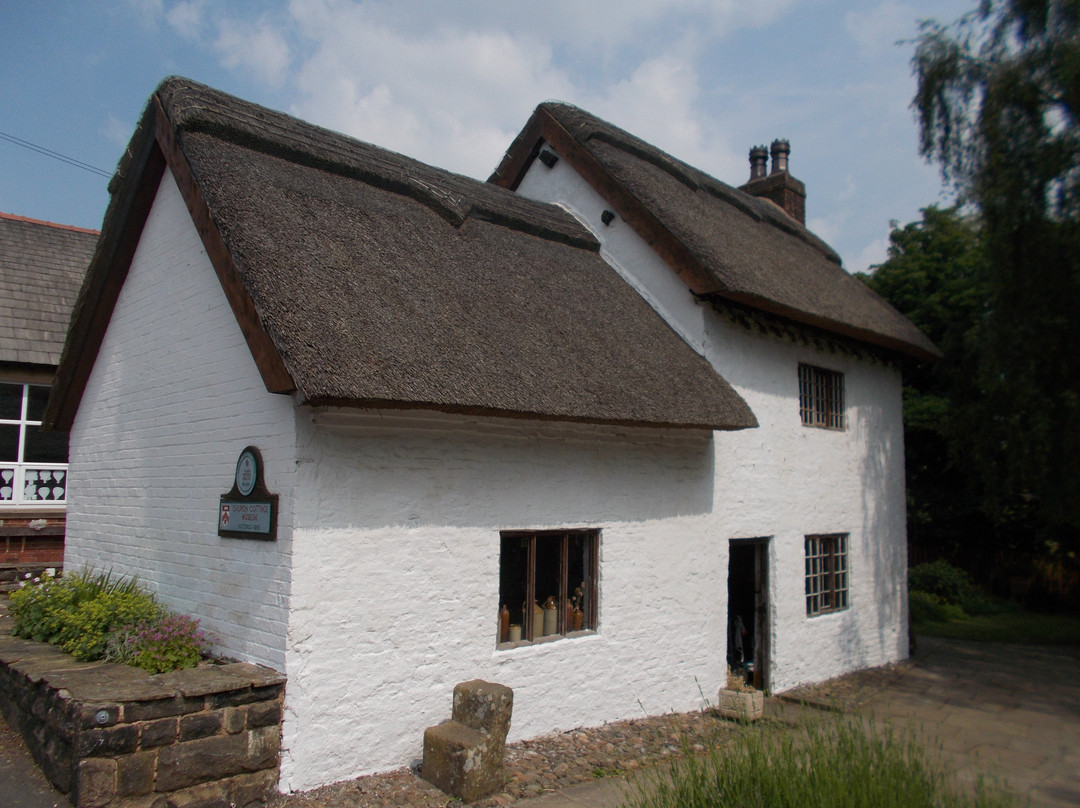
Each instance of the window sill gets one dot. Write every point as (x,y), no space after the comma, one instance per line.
(827,612)
(506,646)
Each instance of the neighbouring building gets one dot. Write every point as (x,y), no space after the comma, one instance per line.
(41,269)
(387,429)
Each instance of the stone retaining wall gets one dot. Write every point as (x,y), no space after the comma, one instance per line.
(114,736)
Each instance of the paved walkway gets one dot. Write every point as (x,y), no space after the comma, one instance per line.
(1009,711)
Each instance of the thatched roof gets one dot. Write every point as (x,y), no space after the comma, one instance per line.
(724,243)
(41,268)
(363,278)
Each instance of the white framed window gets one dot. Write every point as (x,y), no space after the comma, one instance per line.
(33,462)
(821,397)
(826,573)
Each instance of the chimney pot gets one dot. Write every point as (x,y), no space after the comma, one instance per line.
(759,158)
(780,151)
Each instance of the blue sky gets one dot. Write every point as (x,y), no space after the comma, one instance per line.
(451,83)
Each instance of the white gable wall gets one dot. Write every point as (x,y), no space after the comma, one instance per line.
(173,398)
(783,480)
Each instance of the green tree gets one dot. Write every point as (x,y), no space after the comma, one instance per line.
(998,93)
(935,275)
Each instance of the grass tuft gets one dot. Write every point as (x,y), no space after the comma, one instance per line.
(831,764)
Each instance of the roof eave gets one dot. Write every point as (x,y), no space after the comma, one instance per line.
(743,420)
(924,351)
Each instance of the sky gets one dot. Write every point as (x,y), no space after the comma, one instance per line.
(452,83)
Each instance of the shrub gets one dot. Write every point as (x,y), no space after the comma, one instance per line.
(948,583)
(171,642)
(84,632)
(97,616)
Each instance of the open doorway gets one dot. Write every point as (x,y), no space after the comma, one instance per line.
(748,609)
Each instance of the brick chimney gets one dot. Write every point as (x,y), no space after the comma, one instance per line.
(778,185)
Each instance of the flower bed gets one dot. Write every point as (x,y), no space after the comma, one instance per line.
(114,736)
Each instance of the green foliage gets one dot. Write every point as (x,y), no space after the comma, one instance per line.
(169,643)
(841,764)
(939,578)
(1014,626)
(927,608)
(936,276)
(95,616)
(84,631)
(998,98)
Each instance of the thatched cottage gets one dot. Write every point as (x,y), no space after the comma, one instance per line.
(561,434)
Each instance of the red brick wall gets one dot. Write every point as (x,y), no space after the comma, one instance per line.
(29,550)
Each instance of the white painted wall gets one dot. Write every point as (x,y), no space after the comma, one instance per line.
(396,580)
(173,398)
(785,480)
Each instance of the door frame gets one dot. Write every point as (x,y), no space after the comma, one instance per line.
(762,622)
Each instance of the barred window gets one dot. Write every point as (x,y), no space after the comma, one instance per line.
(826,573)
(821,397)
(547,584)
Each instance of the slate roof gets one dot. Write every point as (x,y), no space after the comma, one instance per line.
(726,244)
(41,268)
(364,278)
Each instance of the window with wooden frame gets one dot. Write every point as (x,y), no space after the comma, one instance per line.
(826,573)
(821,397)
(547,584)
(33,463)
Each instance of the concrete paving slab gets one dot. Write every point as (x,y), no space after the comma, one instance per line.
(22,785)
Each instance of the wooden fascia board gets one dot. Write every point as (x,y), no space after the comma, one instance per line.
(519,157)
(152,150)
(275,374)
(104,279)
(672,251)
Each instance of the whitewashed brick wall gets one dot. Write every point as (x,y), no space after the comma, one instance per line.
(173,398)
(410,513)
(784,480)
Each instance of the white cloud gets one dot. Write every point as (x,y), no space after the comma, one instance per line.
(116,131)
(257,47)
(873,253)
(147,11)
(186,18)
(876,29)
(446,95)
(828,228)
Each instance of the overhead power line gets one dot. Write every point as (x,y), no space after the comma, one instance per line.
(71,161)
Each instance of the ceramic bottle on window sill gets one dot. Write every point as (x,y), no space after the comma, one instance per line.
(579,619)
(551,617)
(504,624)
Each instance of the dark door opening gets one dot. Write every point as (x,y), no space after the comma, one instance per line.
(748,610)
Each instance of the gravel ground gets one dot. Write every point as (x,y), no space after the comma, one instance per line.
(540,765)
(620,749)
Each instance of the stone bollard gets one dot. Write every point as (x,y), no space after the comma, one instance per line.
(465,756)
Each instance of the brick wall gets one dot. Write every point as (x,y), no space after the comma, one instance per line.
(25,549)
(112,736)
